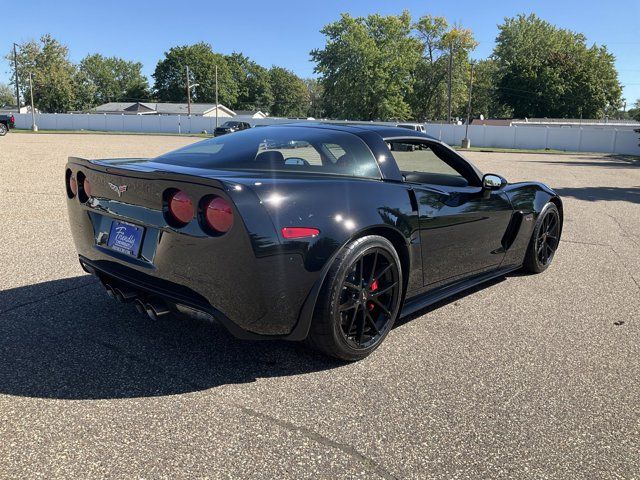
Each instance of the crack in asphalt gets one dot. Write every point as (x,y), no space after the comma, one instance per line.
(613,250)
(289,426)
(562,240)
(55,294)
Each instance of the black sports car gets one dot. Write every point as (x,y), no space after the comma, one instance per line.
(321,232)
(230,127)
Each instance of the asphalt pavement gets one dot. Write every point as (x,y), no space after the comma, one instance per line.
(526,377)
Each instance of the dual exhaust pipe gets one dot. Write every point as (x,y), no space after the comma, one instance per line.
(154,309)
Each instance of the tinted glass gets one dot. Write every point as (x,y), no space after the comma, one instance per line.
(420,163)
(286,149)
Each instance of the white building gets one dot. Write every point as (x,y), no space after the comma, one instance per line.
(156,108)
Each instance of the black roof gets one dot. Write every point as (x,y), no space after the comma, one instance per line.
(385,131)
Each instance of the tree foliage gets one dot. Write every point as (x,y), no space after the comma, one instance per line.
(485,99)
(113,79)
(55,86)
(170,75)
(253,82)
(367,66)
(546,71)
(290,94)
(440,41)
(7,94)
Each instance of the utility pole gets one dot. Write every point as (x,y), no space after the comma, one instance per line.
(450,79)
(466,143)
(188,93)
(216,96)
(15,66)
(34,127)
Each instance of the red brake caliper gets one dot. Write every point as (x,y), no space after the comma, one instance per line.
(372,288)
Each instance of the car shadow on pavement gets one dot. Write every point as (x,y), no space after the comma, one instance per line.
(592,194)
(604,161)
(66,339)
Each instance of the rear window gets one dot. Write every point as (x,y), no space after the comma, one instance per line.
(285,149)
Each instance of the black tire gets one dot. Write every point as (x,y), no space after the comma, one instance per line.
(359,300)
(3,129)
(544,240)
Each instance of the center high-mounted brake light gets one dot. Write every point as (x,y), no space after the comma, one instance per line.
(291,233)
(181,207)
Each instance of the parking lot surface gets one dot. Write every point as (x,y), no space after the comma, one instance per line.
(527,377)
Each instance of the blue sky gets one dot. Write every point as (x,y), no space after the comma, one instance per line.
(283,32)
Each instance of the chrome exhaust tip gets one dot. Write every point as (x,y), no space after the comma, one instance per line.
(156,310)
(140,306)
(110,291)
(124,295)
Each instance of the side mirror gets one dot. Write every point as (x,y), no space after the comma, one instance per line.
(491,181)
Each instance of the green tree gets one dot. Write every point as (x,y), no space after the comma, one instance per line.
(316,93)
(253,83)
(429,99)
(290,94)
(170,75)
(546,71)
(113,79)
(367,66)
(7,94)
(634,112)
(54,82)
(485,99)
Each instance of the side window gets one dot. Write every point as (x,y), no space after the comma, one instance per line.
(335,150)
(420,163)
(299,152)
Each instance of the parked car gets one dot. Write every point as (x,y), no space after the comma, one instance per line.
(412,126)
(7,122)
(305,231)
(230,127)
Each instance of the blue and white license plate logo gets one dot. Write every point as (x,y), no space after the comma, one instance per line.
(125,238)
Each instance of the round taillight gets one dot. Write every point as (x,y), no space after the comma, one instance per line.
(86,186)
(181,207)
(218,214)
(73,185)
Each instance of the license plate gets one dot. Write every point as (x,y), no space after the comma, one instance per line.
(125,238)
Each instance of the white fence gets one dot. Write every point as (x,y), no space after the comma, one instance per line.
(578,139)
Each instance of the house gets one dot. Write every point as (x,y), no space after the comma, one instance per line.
(252,114)
(9,109)
(156,108)
(494,122)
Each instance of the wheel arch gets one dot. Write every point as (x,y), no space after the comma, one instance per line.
(558,203)
(397,239)
(399,242)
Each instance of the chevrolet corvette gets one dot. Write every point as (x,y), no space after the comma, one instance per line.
(319,232)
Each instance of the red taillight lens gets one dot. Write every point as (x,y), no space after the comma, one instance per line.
(86,186)
(218,214)
(73,185)
(181,207)
(299,232)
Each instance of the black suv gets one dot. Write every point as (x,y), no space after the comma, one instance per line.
(230,127)
(7,122)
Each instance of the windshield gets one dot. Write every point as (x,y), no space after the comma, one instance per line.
(281,149)
(231,124)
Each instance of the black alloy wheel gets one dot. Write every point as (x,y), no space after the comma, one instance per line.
(547,238)
(359,300)
(369,292)
(544,240)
